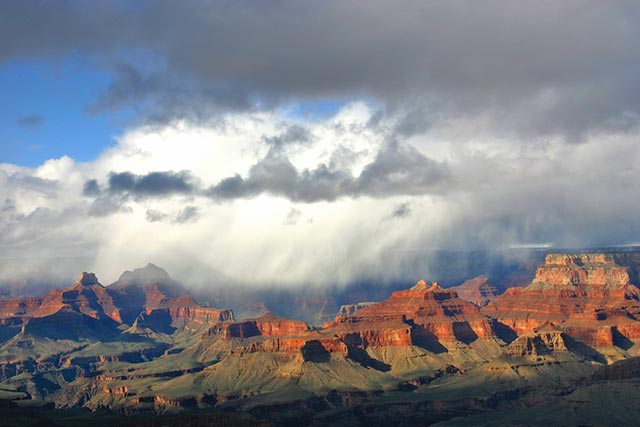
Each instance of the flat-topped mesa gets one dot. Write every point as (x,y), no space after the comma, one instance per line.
(592,270)
(271,333)
(590,296)
(268,325)
(183,315)
(437,312)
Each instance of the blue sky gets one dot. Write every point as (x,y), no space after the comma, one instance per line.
(44,114)
(47,114)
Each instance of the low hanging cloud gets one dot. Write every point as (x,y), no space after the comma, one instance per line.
(398,169)
(151,184)
(354,200)
(403,210)
(301,216)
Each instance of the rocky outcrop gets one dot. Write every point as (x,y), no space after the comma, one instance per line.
(87,279)
(593,271)
(477,291)
(68,324)
(268,325)
(540,342)
(590,296)
(423,315)
(86,296)
(351,309)
(439,312)
(146,296)
(200,315)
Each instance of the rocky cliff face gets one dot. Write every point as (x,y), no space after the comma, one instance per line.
(350,309)
(579,312)
(268,325)
(424,315)
(589,295)
(148,291)
(596,271)
(86,296)
(545,340)
(440,312)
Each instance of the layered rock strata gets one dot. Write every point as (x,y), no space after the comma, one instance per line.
(590,296)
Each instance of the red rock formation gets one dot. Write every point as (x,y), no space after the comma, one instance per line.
(351,309)
(477,291)
(86,296)
(438,311)
(203,315)
(589,295)
(545,340)
(134,294)
(150,288)
(268,325)
(419,315)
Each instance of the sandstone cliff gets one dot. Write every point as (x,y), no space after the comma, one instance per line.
(591,296)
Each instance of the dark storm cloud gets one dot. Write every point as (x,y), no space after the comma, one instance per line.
(294,134)
(401,169)
(91,188)
(186,215)
(123,186)
(33,121)
(8,207)
(530,67)
(44,187)
(403,210)
(397,169)
(153,215)
(108,205)
(276,175)
(153,184)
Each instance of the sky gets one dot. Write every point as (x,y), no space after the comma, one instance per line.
(312,142)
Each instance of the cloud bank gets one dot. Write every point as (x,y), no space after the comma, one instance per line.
(351,202)
(553,68)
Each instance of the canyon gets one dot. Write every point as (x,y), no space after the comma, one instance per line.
(144,345)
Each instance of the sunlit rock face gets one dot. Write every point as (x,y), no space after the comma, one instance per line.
(138,292)
(86,296)
(433,313)
(591,296)
(268,325)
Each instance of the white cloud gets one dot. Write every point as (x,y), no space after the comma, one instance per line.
(502,193)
